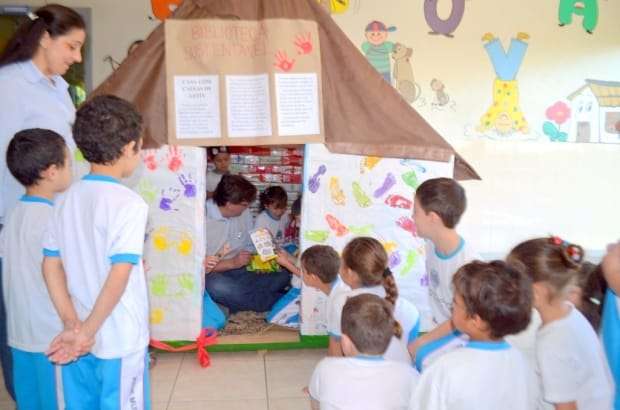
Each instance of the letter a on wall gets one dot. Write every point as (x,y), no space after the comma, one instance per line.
(439,25)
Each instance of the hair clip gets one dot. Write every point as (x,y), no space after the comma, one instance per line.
(556,240)
(32,16)
(595,301)
(387,272)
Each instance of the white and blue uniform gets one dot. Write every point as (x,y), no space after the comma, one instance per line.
(480,375)
(440,269)
(29,100)
(404,312)
(32,321)
(572,364)
(277,227)
(98,223)
(610,329)
(362,383)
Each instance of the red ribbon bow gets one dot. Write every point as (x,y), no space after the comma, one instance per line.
(206,338)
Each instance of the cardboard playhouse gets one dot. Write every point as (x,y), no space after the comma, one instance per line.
(271,73)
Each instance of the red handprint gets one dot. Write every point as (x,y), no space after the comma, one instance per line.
(150,159)
(283,62)
(408,225)
(336,226)
(175,158)
(303,43)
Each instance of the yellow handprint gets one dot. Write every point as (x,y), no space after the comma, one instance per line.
(336,192)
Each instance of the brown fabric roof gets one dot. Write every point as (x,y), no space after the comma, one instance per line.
(363,114)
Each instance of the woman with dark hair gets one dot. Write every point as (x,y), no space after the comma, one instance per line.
(34,95)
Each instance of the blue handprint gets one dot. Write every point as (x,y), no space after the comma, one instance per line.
(188,185)
(167,199)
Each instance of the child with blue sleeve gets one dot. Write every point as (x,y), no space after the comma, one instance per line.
(273,215)
(610,325)
(491,300)
(93,266)
(39,160)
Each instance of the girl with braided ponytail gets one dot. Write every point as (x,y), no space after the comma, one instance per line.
(365,269)
(572,366)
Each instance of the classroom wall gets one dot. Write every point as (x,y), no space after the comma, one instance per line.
(531,185)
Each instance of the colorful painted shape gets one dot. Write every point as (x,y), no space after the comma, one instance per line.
(407,224)
(411,179)
(360,196)
(444,26)
(314,183)
(398,201)
(388,183)
(336,192)
(394,259)
(317,236)
(364,230)
(336,226)
(588,9)
(410,260)
(368,163)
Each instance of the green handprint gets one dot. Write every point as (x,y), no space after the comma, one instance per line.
(187,282)
(412,257)
(360,196)
(159,285)
(363,230)
(147,191)
(411,179)
(316,236)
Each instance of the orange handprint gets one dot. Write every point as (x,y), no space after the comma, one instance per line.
(303,43)
(283,62)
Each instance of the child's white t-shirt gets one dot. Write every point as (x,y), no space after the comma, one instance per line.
(572,364)
(277,227)
(97,223)
(480,375)
(440,269)
(213,178)
(362,382)
(32,321)
(404,312)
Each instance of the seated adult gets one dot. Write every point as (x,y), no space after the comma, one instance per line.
(229,222)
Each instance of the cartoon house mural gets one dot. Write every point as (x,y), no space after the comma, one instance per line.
(363,116)
(596,112)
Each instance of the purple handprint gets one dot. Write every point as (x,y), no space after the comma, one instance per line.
(166,202)
(388,183)
(424,282)
(394,259)
(188,185)
(314,183)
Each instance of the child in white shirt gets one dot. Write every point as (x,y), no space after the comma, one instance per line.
(491,300)
(273,201)
(40,161)
(365,269)
(221,159)
(571,363)
(363,380)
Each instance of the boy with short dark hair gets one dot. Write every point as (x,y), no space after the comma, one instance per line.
(364,379)
(93,265)
(40,161)
(491,300)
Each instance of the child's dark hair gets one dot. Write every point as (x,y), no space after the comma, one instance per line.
(498,293)
(322,261)
(593,286)
(54,19)
(550,260)
(234,189)
(32,151)
(368,321)
(103,126)
(296,206)
(274,195)
(445,197)
(368,259)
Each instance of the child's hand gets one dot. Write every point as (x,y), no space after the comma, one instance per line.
(242,259)
(210,263)
(70,344)
(283,258)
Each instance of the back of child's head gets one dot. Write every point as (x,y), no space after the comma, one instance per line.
(234,189)
(322,261)
(104,126)
(368,259)
(443,196)
(274,195)
(368,321)
(296,207)
(33,151)
(498,293)
(550,260)
(592,287)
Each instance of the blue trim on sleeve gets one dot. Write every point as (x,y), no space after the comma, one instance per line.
(610,330)
(453,253)
(334,335)
(102,178)
(501,345)
(425,350)
(50,253)
(125,258)
(37,199)
(413,334)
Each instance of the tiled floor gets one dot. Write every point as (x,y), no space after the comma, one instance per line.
(234,381)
